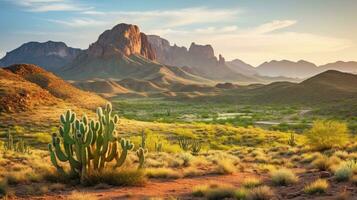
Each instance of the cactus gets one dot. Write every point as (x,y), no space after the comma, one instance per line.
(19,146)
(9,145)
(195,147)
(86,145)
(184,143)
(292,141)
(141,155)
(143,139)
(158,146)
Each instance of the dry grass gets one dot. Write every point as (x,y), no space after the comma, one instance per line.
(162,173)
(283,177)
(317,187)
(260,193)
(81,196)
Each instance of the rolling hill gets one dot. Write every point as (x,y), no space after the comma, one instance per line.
(25,86)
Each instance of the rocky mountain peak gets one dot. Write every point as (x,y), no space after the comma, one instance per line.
(122,40)
(203,51)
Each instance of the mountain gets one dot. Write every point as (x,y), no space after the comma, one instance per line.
(25,86)
(349,67)
(239,66)
(124,52)
(199,58)
(49,55)
(327,87)
(286,68)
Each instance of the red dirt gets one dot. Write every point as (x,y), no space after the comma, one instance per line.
(154,188)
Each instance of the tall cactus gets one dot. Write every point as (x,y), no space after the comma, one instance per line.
(88,145)
(184,143)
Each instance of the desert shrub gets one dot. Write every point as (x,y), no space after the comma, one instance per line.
(192,172)
(251,182)
(241,194)
(3,187)
(162,173)
(214,191)
(123,177)
(317,187)
(283,177)
(225,166)
(81,196)
(327,134)
(260,193)
(345,171)
(322,163)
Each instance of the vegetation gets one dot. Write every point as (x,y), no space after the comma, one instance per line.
(317,187)
(283,177)
(327,134)
(88,146)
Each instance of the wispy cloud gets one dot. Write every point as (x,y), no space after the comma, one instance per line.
(50,5)
(274,25)
(80,22)
(163,18)
(260,43)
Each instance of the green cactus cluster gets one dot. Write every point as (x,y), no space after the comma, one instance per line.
(193,145)
(20,146)
(88,146)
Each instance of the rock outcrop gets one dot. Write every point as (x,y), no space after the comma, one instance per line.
(121,40)
(49,55)
(200,58)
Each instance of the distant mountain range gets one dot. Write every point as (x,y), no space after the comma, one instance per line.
(198,59)
(49,55)
(126,53)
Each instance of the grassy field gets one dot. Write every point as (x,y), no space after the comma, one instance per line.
(189,158)
(272,117)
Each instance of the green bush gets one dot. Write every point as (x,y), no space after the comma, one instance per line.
(326,134)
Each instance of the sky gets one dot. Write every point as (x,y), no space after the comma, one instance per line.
(255,31)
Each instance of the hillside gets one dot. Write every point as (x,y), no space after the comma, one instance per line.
(49,55)
(328,87)
(18,94)
(38,85)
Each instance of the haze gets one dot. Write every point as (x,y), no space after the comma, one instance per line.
(321,31)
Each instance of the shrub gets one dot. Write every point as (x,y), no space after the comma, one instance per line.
(283,177)
(317,187)
(3,187)
(124,177)
(260,193)
(251,182)
(225,166)
(214,191)
(345,171)
(162,173)
(322,163)
(327,134)
(81,196)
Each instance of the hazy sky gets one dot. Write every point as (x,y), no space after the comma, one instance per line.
(255,31)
